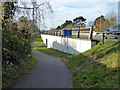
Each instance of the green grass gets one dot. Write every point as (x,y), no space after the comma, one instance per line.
(15,71)
(54,52)
(95,68)
(37,42)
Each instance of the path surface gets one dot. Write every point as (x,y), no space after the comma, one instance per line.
(49,72)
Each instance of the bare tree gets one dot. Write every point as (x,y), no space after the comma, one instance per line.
(110,14)
(111,19)
(36,11)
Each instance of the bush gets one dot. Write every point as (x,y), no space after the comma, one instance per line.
(14,44)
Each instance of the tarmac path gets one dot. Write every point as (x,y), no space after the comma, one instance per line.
(49,72)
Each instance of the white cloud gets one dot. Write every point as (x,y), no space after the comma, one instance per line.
(69,9)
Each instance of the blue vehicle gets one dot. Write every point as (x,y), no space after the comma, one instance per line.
(113,31)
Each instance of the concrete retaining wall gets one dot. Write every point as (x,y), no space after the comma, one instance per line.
(69,45)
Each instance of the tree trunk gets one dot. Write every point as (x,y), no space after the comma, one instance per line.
(78,32)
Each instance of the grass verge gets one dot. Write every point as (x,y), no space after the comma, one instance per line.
(63,56)
(13,72)
(53,52)
(37,42)
(95,68)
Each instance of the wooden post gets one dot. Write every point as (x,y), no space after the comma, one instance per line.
(56,32)
(67,43)
(60,32)
(78,32)
(91,33)
(103,38)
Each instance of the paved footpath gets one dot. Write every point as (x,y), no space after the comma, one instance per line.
(49,72)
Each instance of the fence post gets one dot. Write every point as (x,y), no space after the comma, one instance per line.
(78,32)
(91,33)
(56,32)
(103,38)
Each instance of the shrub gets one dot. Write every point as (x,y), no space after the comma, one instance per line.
(14,44)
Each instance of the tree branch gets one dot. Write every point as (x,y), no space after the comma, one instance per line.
(31,8)
(25,8)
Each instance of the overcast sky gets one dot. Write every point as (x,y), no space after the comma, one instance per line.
(69,9)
